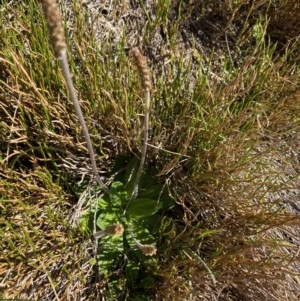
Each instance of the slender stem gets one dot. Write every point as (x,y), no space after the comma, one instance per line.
(134,239)
(144,150)
(67,75)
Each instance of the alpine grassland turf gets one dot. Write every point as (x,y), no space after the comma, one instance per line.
(223,145)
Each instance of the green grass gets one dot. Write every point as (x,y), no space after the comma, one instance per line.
(224,122)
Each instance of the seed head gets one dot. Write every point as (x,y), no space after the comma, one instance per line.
(54,23)
(142,67)
(148,250)
(115,229)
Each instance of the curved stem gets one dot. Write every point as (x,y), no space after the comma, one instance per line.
(67,75)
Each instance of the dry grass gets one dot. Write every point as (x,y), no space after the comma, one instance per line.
(224,123)
(42,257)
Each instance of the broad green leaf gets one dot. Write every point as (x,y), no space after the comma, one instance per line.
(109,254)
(142,207)
(108,217)
(102,203)
(147,282)
(151,192)
(131,172)
(143,236)
(118,169)
(118,194)
(86,222)
(116,290)
(132,271)
(166,201)
(147,178)
(152,222)
(128,246)
(130,175)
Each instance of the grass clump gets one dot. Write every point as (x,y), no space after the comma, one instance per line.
(224,127)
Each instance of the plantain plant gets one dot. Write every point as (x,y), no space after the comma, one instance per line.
(127,219)
(129,230)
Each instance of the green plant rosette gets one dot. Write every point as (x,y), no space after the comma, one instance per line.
(121,261)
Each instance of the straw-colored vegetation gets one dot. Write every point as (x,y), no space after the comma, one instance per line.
(223,140)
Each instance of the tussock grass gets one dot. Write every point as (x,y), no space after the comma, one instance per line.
(224,132)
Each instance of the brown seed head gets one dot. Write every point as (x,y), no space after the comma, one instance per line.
(115,229)
(148,250)
(56,30)
(142,66)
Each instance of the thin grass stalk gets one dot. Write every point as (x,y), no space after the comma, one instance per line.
(187,251)
(57,39)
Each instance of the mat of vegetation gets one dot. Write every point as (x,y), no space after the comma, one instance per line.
(224,145)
